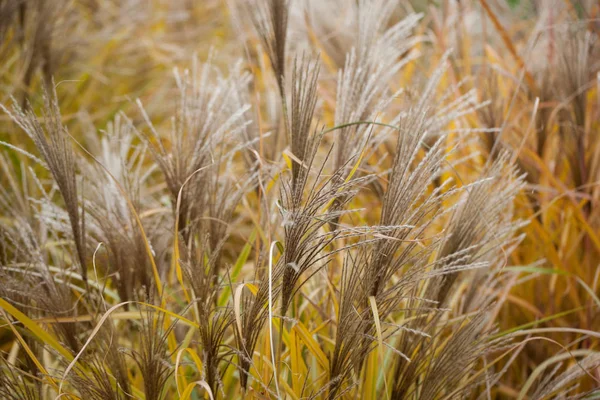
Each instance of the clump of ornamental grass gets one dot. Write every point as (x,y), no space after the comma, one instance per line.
(544,99)
(247,233)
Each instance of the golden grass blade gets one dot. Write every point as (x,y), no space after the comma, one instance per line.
(375,311)
(237,267)
(312,345)
(190,388)
(34,328)
(197,363)
(32,356)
